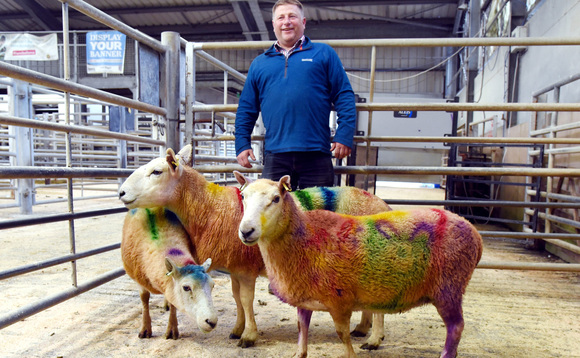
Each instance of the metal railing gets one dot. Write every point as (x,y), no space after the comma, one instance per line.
(24,173)
(557,239)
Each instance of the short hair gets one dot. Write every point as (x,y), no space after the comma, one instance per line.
(288,2)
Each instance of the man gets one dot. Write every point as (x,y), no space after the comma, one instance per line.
(294,84)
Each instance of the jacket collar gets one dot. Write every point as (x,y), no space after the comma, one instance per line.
(305,45)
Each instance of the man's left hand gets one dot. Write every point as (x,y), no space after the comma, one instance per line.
(340,150)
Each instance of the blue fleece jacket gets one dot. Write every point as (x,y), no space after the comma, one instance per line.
(295,96)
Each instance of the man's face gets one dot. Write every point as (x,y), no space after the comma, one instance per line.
(289,25)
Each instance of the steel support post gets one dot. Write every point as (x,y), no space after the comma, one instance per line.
(171,94)
(21,141)
(190,62)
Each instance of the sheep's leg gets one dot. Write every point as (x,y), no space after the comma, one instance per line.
(240,316)
(247,287)
(377,334)
(342,325)
(452,316)
(303,325)
(363,327)
(172,331)
(146,322)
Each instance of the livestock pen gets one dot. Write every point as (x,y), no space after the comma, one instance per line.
(518,300)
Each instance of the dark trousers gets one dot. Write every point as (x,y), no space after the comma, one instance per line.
(306,169)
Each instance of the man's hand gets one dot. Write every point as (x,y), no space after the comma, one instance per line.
(243,158)
(340,150)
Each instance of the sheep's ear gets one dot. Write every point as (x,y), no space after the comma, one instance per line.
(242,179)
(284,184)
(172,269)
(206,264)
(185,157)
(172,160)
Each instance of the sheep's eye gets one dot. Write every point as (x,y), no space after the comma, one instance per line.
(156,172)
(186,288)
(276,199)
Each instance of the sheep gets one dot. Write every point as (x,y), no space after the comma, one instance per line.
(388,262)
(158,258)
(211,215)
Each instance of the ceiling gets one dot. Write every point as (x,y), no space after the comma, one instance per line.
(239,20)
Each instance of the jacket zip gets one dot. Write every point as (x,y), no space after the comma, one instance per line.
(286,59)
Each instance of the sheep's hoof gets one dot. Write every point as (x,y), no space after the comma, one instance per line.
(235,336)
(356,333)
(145,334)
(172,334)
(244,343)
(369,347)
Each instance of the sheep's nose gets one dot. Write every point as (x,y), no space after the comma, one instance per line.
(247,234)
(210,323)
(121,194)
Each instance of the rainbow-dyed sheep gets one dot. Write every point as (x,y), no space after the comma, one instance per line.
(210,214)
(389,262)
(156,254)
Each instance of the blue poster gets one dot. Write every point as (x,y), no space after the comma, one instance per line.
(105,52)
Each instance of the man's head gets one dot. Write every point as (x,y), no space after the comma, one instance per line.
(288,21)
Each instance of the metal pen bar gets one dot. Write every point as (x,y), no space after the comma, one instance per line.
(530,235)
(538,172)
(10,224)
(32,123)
(534,266)
(57,261)
(31,76)
(29,310)
(207,57)
(466,140)
(103,18)
(485,203)
(446,107)
(27,172)
(421,42)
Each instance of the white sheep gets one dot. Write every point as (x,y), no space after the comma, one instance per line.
(388,262)
(211,214)
(156,254)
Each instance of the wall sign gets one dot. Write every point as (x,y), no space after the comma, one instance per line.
(405,114)
(14,47)
(105,52)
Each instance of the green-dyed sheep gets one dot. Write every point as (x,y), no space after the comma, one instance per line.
(158,258)
(388,262)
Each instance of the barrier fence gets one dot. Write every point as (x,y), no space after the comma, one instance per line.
(178,124)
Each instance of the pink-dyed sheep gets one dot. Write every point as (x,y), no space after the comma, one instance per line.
(388,262)
(211,215)
(158,258)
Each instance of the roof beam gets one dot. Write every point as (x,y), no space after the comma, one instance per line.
(327,30)
(41,16)
(250,18)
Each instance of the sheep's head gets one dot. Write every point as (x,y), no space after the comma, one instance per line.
(192,288)
(263,208)
(152,184)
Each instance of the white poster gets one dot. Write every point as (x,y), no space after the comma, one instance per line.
(14,47)
(105,52)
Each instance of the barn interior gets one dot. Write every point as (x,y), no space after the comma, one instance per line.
(467,105)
